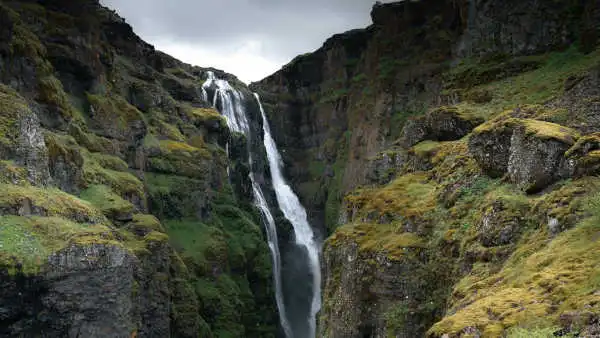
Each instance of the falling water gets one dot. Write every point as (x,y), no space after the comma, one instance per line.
(296,214)
(233,110)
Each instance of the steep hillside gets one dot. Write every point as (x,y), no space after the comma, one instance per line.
(448,151)
(117,217)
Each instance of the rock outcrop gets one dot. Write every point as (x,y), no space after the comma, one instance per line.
(531,152)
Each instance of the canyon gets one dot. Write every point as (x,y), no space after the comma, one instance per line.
(431,175)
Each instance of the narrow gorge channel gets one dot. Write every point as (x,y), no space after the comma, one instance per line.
(297,292)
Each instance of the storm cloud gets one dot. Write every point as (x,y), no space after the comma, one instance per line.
(249,38)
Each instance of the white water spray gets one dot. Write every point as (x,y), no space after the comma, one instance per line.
(296,214)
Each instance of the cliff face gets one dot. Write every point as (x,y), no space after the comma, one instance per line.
(117,217)
(446,150)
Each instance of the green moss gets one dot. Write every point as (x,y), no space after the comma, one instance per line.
(93,142)
(103,198)
(124,183)
(115,110)
(425,149)
(109,162)
(181,158)
(538,84)
(408,196)
(584,145)
(519,332)
(542,279)
(145,223)
(51,202)
(96,168)
(534,128)
(387,239)
(25,42)
(170,131)
(51,92)
(156,236)
(205,116)
(12,107)
(26,242)
(567,202)
(547,130)
(12,174)
(461,112)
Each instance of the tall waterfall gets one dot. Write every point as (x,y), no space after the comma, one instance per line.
(296,214)
(235,114)
(302,323)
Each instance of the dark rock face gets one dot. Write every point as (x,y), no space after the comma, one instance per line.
(523,27)
(383,167)
(87,291)
(491,149)
(441,124)
(534,164)
(362,289)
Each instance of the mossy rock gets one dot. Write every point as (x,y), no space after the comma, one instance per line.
(10,173)
(207,117)
(116,118)
(112,205)
(409,197)
(566,205)
(95,143)
(537,157)
(532,152)
(143,224)
(122,182)
(25,201)
(441,124)
(84,168)
(180,158)
(26,242)
(65,162)
(540,281)
(176,197)
(385,239)
(12,107)
(586,155)
(503,218)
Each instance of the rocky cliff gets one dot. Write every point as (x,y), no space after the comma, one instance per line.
(448,153)
(117,216)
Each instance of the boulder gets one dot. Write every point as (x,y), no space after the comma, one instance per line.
(531,152)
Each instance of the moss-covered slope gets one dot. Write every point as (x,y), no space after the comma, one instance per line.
(115,189)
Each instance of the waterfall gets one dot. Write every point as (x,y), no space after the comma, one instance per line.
(296,214)
(235,114)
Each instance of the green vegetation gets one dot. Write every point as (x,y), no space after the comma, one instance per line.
(529,80)
(26,242)
(113,110)
(12,107)
(535,128)
(47,202)
(230,240)
(103,198)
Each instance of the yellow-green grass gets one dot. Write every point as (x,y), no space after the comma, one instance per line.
(26,242)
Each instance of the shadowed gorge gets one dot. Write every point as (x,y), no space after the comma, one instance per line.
(434,174)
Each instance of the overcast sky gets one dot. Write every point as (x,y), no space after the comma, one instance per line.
(248,38)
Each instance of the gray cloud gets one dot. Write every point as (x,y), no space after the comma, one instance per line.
(278,29)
